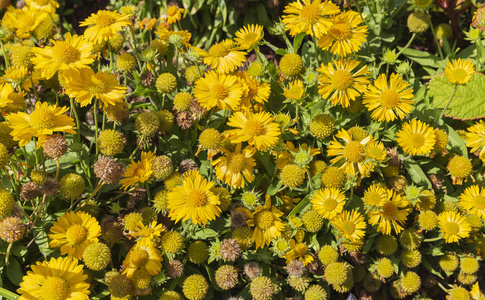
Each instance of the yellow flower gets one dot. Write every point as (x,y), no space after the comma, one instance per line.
(73,232)
(84,85)
(459,71)
(174,14)
(145,256)
(476,292)
(298,251)
(149,232)
(223,57)
(235,167)
(266,222)
(351,225)
(374,195)
(473,200)
(59,278)
(416,138)
(252,90)
(295,90)
(376,150)
(475,138)
(105,25)
(328,202)
(389,101)
(140,171)
(391,213)
(74,53)
(42,122)
(453,225)
(193,200)
(309,17)
(218,90)
(49,6)
(5,90)
(257,129)
(249,36)
(341,83)
(23,20)
(350,156)
(345,36)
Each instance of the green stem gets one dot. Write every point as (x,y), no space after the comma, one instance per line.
(398,9)
(315,46)
(95,110)
(407,45)
(478,56)
(147,187)
(437,41)
(78,124)
(7,62)
(432,239)
(135,46)
(7,255)
(370,10)
(449,102)
(34,90)
(8,294)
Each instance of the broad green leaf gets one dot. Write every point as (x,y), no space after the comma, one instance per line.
(298,40)
(468,102)
(417,174)
(14,271)
(205,234)
(458,145)
(423,58)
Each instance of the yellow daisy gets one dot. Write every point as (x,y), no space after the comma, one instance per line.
(475,138)
(459,71)
(193,200)
(23,20)
(49,6)
(42,122)
(150,231)
(174,14)
(5,90)
(298,251)
(309,16)
(139,171)
(473,200)
(59,278)
(351,225)
(223,57)
(476,292)
(374,195)
(248,37)
(389,101)
(266,222)
(235,167)
(328,202)
(454,226)
(84,85)
(74,53)
(253,90)
(104,25)
(391,213)
(143,255)
(218,90)
(350,156)
(341,83)
(345,36)
(416,138)
(376,150)
(257,129)
(294,91)
(73,232)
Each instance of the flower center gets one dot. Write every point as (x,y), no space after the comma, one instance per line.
(389,210)
(389,99)
(310,13)
(172,10)
(353,152)
(479,201)
(42,119)
(76,234)
(250,37)
(451,228)
(342,80)
(139,257)
(341,31)
(54,288)
(294,92)
(64,53)
(330,204)
(219,92)
(254,128)
(235,162)
(197,199)
(218,50)
(416,140)
(347,227)
(97,85)
(459,74)
(105,20)
(264,219)
(139,172)
(372,198)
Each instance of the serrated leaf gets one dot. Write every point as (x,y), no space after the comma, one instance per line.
(468,102)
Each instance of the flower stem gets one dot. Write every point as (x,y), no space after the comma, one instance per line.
(432,239)
(95,110)
(478,56)
(315,48)
(438,45)
(407,45)
(448,104)
(78,124)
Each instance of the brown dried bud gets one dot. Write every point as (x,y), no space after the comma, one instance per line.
(55,146)
(187,165)
(147,79)
(185,120)
(230,250)
(50,187)
(30,191)
(196,109)
(175,268)
(108,170)
(12,229)
(295,268)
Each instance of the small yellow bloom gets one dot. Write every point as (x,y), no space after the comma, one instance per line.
(391,213)
(298,251)
(351,225)
(218,90)
(235,167)
(257,129)
(473,200)
(140,171)
(223,57)
(475,138)
(104,25)
(249,36)
(416,138)
(454,226)
(459,71)
(174,14)
(143,255)
(329,202)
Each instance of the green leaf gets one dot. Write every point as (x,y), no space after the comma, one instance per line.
(423,58)
(458,145)
(301,206)
(417,174)
(205,234)
(14,271)
(7,294)
(273,189)
(298,40)
(468,102)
